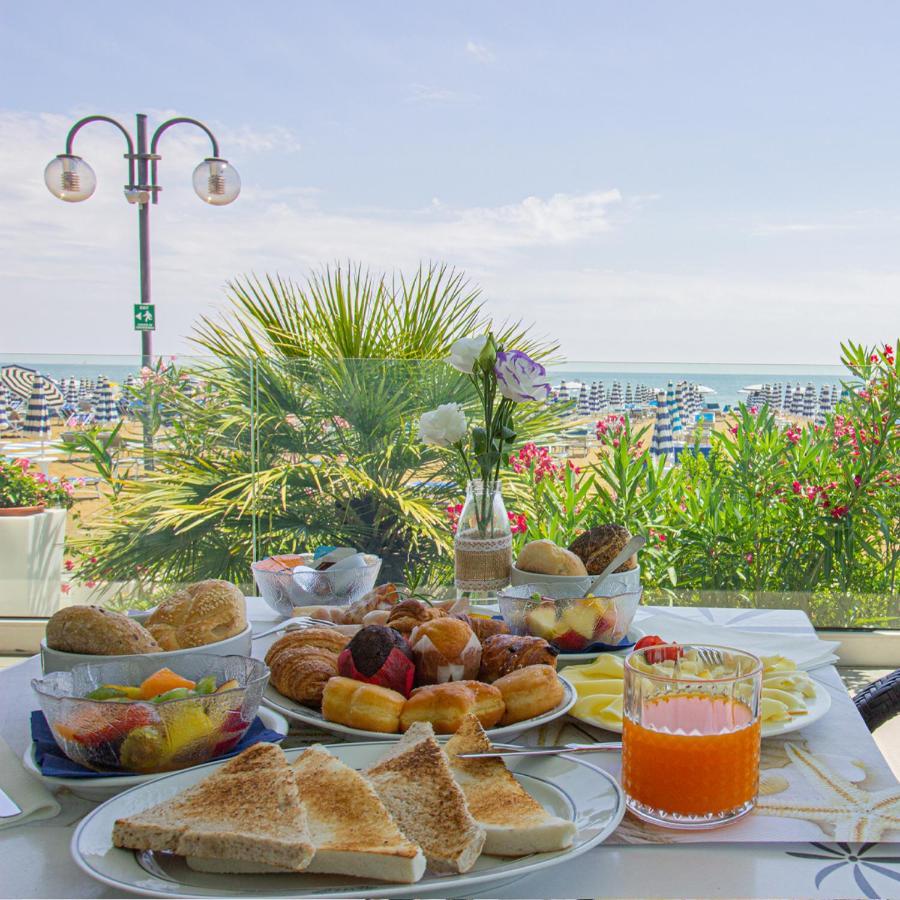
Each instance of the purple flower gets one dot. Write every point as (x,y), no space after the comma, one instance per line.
(520,378)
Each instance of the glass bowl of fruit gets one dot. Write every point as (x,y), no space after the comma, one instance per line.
(573,624)
(132,716)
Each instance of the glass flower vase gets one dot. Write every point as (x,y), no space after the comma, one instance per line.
(483,544)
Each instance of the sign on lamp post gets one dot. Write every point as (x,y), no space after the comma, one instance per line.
(144,317)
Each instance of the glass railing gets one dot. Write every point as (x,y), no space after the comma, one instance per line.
(755,486)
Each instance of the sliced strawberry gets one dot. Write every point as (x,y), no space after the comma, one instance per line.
(571,641)
(671,652)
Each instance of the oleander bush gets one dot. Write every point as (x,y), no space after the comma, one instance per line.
(811,510)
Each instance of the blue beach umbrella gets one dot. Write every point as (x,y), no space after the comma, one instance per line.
(797,401)
(809,401)
(662,445)
(615,396)
(675,422)
(788,399)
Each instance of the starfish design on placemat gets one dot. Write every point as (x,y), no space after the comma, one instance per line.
(853,813)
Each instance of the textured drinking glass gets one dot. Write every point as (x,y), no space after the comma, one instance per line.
(690,742)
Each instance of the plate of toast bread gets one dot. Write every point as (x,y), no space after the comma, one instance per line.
(350,820)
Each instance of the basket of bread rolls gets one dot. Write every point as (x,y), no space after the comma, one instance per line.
(409,660)
(210,615)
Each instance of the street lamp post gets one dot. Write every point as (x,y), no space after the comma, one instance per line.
(70,178)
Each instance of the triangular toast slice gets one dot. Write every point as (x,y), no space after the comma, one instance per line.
(515,823)
(351,830)
(247,811)
(414,782)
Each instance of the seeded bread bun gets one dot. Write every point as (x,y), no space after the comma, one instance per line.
(597,548)
(90,629)
(545,558)
(199,614)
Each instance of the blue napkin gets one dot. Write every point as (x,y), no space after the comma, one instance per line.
(52,761)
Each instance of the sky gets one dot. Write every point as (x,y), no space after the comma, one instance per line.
(644,182)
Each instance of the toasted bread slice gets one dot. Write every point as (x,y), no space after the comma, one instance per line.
(247,811)
(414,782)
(514,822)
(351,830)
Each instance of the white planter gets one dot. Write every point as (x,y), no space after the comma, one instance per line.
(31,559)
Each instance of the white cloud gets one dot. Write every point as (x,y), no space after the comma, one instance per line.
(480,52)
(68,272)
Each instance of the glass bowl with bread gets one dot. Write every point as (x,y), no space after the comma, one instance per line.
(208,615)
(570,623)
(572,568)
(131,715)
(339,577)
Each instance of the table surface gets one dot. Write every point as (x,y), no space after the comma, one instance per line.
(35,859)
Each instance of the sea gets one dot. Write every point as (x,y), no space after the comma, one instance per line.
(729,384)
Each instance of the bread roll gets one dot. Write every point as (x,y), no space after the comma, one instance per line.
(529,692)
(360,705)
(199,614)
(597,548)
(483,626)
(445,649)
(90,629)
(545,558)
(504,653)
(445,706)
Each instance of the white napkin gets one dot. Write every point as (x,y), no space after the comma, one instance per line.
(806,650)
(35,801)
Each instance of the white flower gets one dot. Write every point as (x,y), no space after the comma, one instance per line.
(465,352)
(444,426)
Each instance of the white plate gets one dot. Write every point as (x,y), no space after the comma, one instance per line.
(816,708)
(98,789)
(566,785)
(313,717)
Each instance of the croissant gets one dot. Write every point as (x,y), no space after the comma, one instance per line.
(407,615)
(483,626)
(504,653)
(301,662)
(301,673)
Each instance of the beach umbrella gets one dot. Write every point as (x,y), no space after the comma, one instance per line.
(562,395)
(19,381)
(824,400)
(4,410)
(675,422)
(104,408)
(788,400)
(662,445)
(584,402)
(37,414)
(797,401)
(809,401)
(72,394)
(601,396)
(615,396)
(130,380)
(680,416)
(629,395)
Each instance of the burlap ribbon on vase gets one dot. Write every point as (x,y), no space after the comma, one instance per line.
(482,563)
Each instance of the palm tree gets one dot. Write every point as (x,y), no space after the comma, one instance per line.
(305,434)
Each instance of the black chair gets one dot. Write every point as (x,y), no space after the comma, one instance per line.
(879,701)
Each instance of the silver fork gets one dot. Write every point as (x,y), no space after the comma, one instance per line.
(710,657)
(296,623)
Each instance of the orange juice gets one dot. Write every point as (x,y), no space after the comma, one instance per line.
(694,754)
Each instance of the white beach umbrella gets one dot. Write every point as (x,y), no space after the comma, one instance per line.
(37,413)
(629,395)
(809,401)
(797,401)
(671,403)
(824,400)
(787,403)
(104,407)
(584,400)
(662,444)
(615,396)
(19,381)
(4,410)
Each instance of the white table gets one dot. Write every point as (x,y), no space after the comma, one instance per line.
(35,862)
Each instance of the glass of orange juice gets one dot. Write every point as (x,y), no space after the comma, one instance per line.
(691,734)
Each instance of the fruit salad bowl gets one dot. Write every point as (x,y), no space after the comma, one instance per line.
(101,718)
(572,624)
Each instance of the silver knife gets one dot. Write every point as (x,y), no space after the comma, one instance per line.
(7,807)
(542,751)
